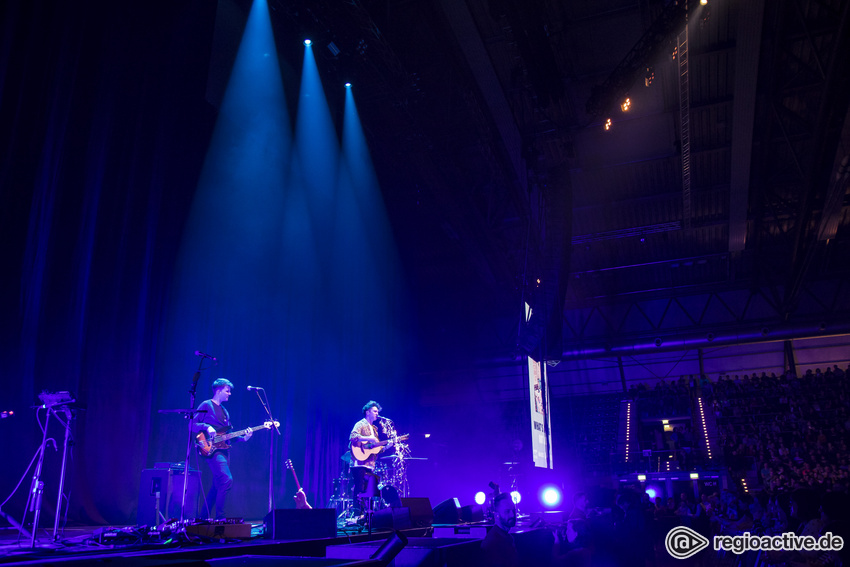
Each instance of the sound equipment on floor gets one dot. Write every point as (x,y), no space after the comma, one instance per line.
(472,513)
(421,514)
(161,494)
(391,519)
(288,523)
(232,528)
(447,512)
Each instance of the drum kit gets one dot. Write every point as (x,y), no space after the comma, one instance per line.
(343,497)
(393,486)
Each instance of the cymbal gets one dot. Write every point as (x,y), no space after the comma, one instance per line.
(182,411)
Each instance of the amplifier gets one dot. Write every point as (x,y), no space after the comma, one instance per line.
(162,490)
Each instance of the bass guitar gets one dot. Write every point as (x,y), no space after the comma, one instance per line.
(372,448)
(208,446)
(300,496)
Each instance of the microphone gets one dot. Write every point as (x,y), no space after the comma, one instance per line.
(254,388)
(385,418)
(204,355)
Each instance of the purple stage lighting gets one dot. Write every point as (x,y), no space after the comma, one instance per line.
(651,493)
(550,496)
(480,498)
(516,496)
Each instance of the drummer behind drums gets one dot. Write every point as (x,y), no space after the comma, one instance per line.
(363,435)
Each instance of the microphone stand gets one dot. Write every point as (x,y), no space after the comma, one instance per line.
(67,423)
(191,418)
(37,485)
(267,407)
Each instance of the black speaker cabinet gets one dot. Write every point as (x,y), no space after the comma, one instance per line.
(421,514)
(169,484)
(392,519)
(472,513)
(291,523)
(447,512)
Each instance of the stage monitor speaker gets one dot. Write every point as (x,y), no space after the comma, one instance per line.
(421,514)
(169,484)
(447,512)
(391,519)
(291,523)
(472,513)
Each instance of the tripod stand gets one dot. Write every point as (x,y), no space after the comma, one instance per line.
(53,403)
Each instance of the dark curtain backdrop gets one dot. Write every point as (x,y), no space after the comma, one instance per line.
(104,131)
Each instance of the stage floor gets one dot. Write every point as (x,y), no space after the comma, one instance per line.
(116,546)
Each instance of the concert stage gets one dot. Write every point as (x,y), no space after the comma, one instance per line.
(81,547)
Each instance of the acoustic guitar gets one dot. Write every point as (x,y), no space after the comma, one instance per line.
(207,447)
(372,448)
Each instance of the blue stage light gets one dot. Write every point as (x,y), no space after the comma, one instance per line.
(308,42)
(348,85)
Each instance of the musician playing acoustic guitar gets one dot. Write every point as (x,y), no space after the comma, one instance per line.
(364,436)
(217,420)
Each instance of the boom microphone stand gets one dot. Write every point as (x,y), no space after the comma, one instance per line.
(191,418)
(267,407)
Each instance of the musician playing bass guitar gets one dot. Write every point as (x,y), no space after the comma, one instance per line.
(217,420)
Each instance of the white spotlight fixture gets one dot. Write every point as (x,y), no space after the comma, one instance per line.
(480,498)
(348,85)
(516,496)
(551,496)
(308,42)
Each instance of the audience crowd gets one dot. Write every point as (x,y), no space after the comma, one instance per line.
(793,431)
(789,434)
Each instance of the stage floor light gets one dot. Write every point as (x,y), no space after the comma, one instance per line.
(550,496)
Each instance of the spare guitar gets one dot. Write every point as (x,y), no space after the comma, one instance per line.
(300,497)
(207,447)
(372,448)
